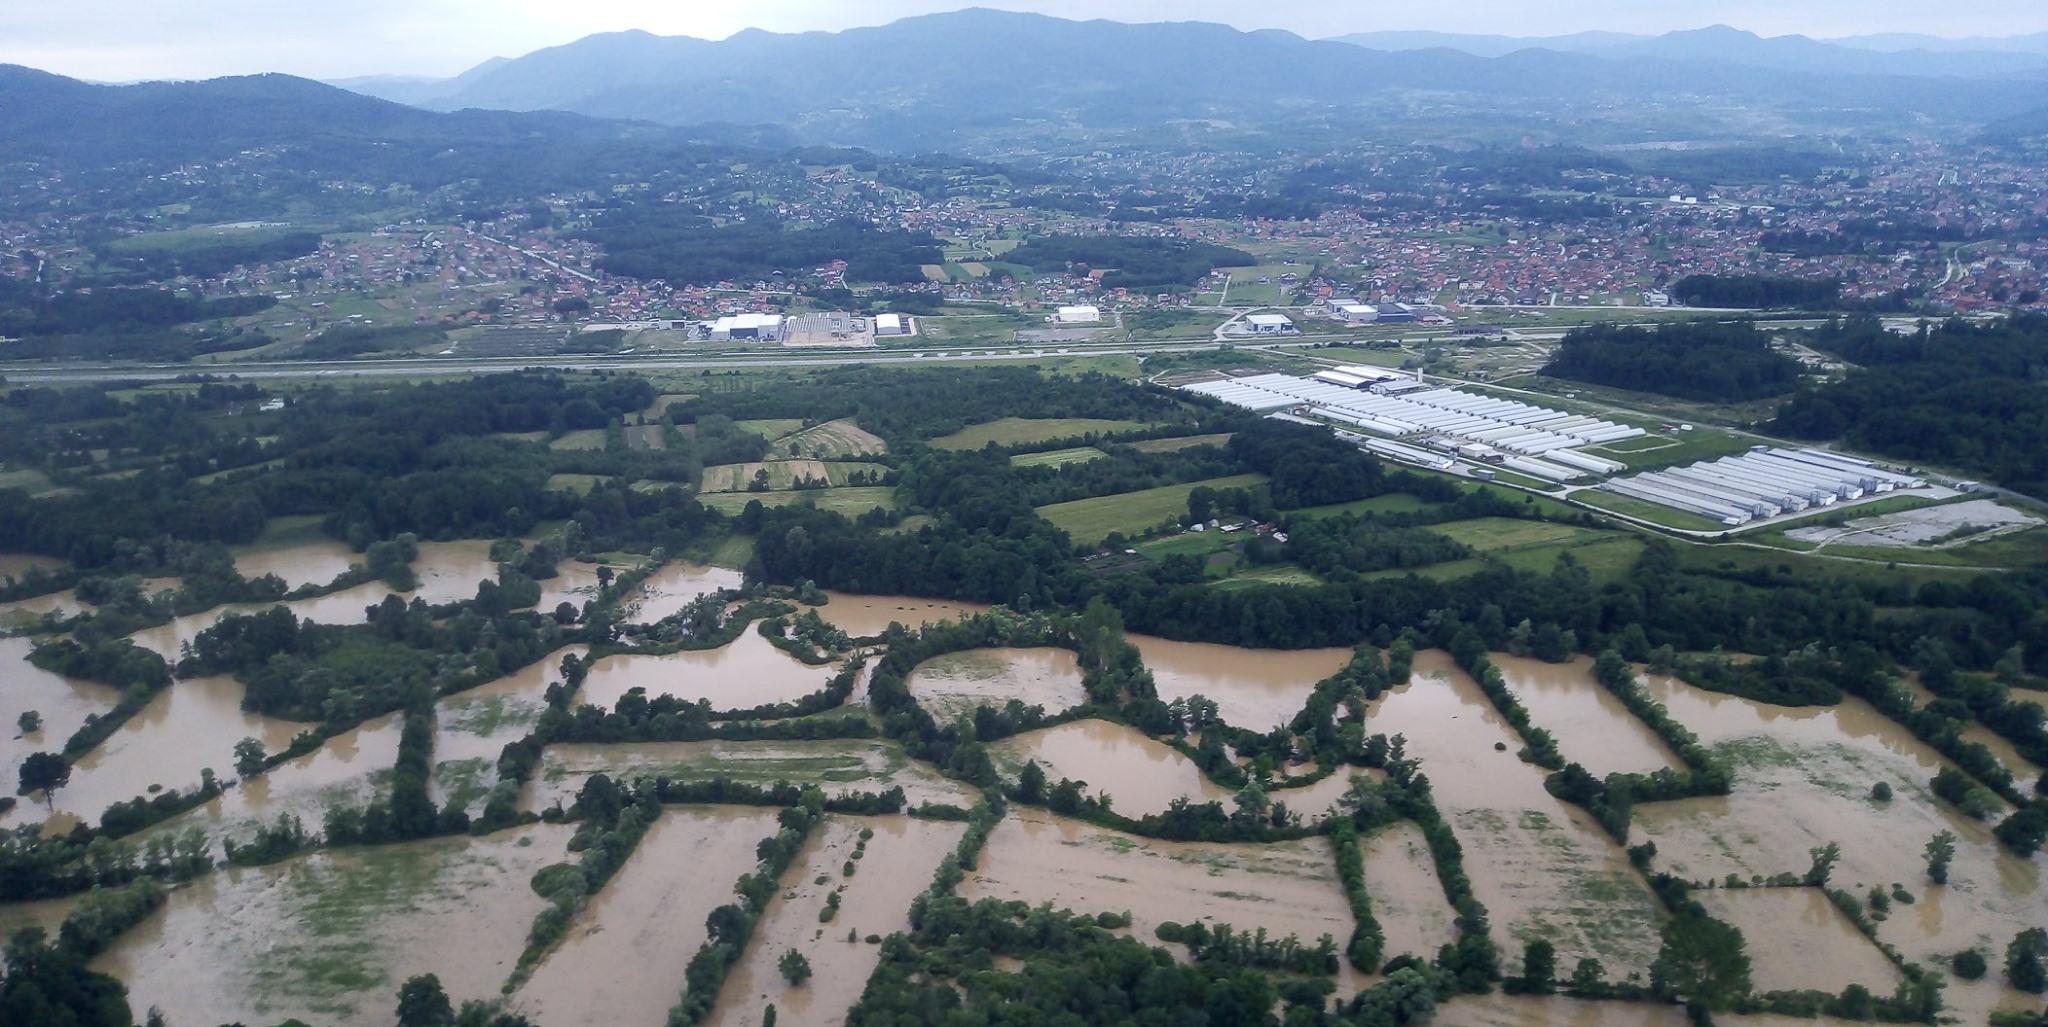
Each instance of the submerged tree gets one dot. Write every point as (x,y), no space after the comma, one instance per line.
(1940,850)
(44,772)
(795,968)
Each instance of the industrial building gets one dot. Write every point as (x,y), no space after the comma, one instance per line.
(746,328)
(1356,313)
(1387,405)
(1077,315)
(889,325)
(1761,483)
(1270,324)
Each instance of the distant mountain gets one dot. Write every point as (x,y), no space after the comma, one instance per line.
(1876,55)
(417,90)
(947,81)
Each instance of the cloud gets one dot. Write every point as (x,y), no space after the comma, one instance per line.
(124,40)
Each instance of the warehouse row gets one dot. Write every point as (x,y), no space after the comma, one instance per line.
(1761,483)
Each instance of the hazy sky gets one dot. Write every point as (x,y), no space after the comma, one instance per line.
(119,40)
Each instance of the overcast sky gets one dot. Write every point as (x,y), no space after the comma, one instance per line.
(122,40)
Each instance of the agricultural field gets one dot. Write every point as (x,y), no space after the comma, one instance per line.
(1089,521)
(1057,457)
(786,474)
(1176,445)
(849,501)
(1023,431)
(582,438)
(830,441)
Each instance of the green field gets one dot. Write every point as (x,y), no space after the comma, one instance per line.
(577,483)
(1395,502)
(586,438)
(1491,534)
(1176,445)
(1089,521)
(1057,457)
(1277,574)
(1678,447)
(771,428)
(1018,431)
(28,479)
(851,502)
(1191,543)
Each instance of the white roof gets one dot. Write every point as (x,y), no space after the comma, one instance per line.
(1269,319)
(1359,308)
(888,320)
(745,321)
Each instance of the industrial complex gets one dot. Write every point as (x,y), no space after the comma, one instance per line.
(1399,416)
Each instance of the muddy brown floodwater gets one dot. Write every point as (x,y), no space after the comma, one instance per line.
(191,726)
(1802,780)
(956,683)
(1288,888)
(1141,775)
(62,703)
(1798,939)
(1407,898)
(675,586)
(622,960)
(1543,869)
(867,616)
(14,565)
(315,562)
(1592,727)
(747,673)
(897,865)
(1258,689)
(471,728)
(838,766)
(329,937)
(352,767)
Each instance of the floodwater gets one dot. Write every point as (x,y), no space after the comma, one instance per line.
(574,583)
(1288,888)
(675,586)
(897,865)
(314,562)
(47,914)
(471,728)
(450,571)
(1141,775)
(622,960)
(1592,727)
(62,702)
(16,614)
(1313,800)
(839,766)
(747,673)
(2024,771)
(188,727)
(1407,898)
(1798,939)
(348,606)
(868,616)
(956,683)
(352,767)
(329,937)
(14,565)
(1259,689)
(1802,779)
(1501,1010)
(1542,868)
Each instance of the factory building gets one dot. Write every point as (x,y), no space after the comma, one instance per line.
(889,325)
(1763,482)
(1269,324)
(1077,315)
(746,328)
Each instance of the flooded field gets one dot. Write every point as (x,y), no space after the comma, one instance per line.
(1543,869)
(1798,939)
(1500,1010)
(747,673)
(574,583)
(674,586)
(1314,800)
(1407,898)
(1803,779)
(348,606)
(471,728)
(62,703)
(2023,769)
(623,957)
(898,864)
(187,728)
(14,565)
(1592,727)
(352,767)
(313,561)
(329,937)
(448,571)
(1258,689)
(19,613)
(1141,775)
(837,766)
(1288,888)
(956,683)
(867,616)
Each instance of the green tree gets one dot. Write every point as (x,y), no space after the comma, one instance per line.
(1031,783)
(44,772)
(30,722)
(422,1003)
(1824,859)
(1968,964)
(1940,850)
(47,985)
(795,968)
(2023,961)
(249,757)
(1701,960)
(1539,966)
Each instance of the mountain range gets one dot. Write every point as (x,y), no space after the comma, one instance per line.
(1861,55)
(946,81)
